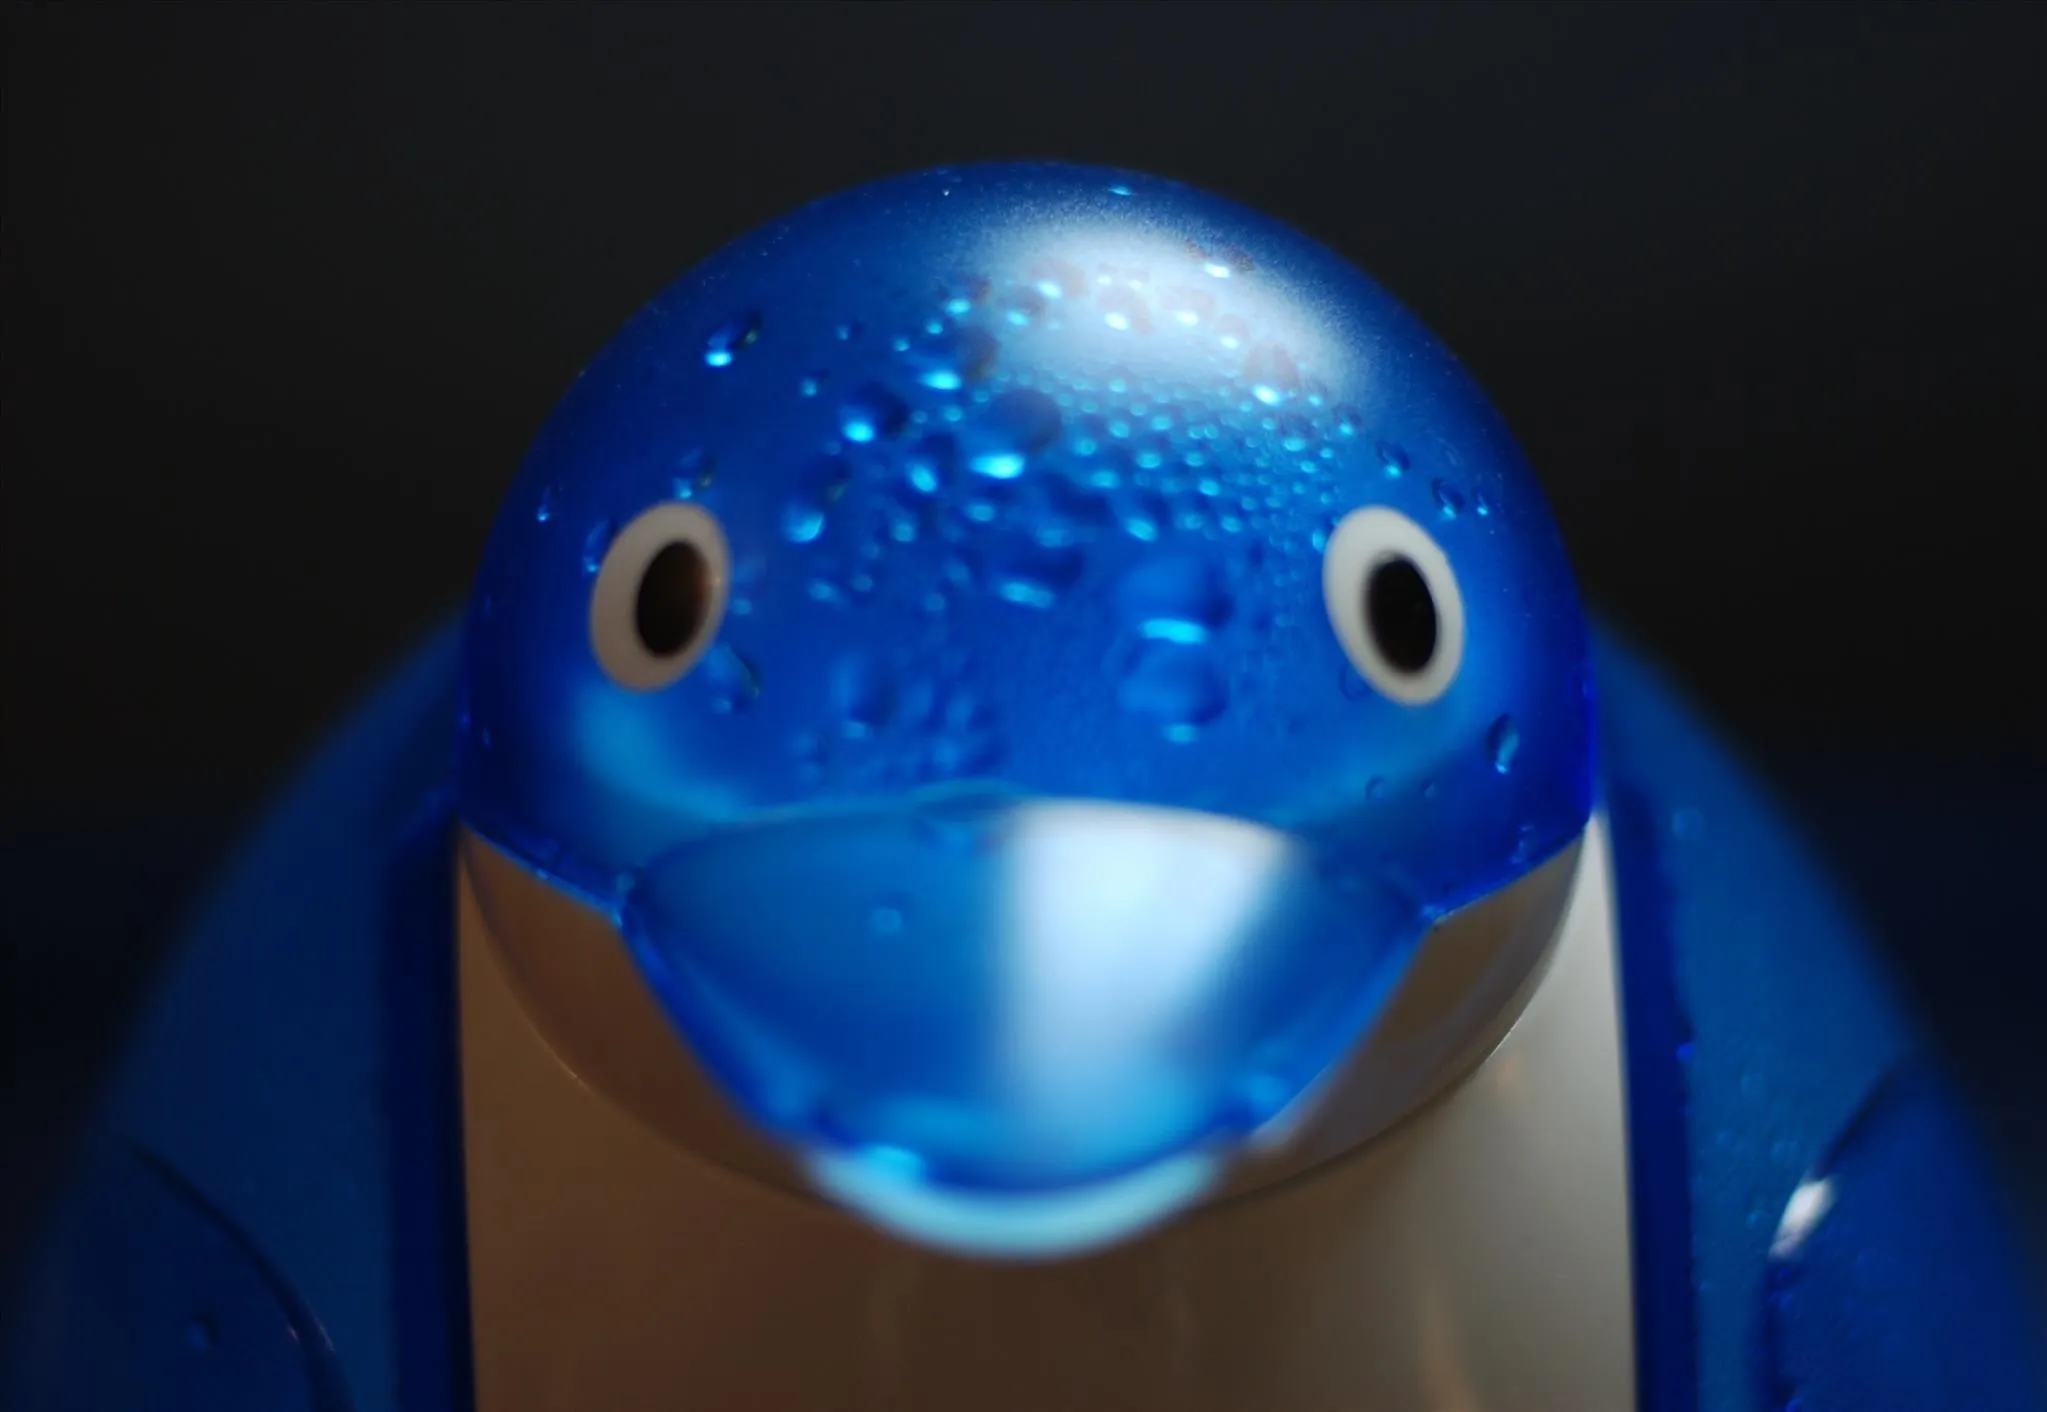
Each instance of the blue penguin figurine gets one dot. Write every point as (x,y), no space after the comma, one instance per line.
(1024,815)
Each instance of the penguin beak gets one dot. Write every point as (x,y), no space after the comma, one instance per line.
(1010,999)
(1003,1025)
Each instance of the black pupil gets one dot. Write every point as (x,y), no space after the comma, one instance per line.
(675,593)
(1402,614)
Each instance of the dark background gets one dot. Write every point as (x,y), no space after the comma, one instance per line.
(287,290)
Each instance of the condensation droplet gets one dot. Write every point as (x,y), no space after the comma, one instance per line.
(734,682)
(1175,684)
(818,487)
(597,543)
(544,510)
(1503,742)
(1448,500)
(1142,514)
(731,338)
(1009,430)
(1393,460)
(1272,373)
(929,465)
(802,521)
(863,693)
(1026,572)
(871,413)
(1174,598)
(951,358)
(1125,311)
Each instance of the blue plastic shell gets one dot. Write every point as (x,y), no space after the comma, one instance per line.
(1026,693)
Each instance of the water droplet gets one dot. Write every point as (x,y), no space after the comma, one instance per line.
(597,543)
(1349,422)
(965,754)
(1524,841)
(1294,433)
(1174,598)
(1272,373)
(811,384)
(1232,332)
(887,918)
(1393,460)
(952,358)
(694,471)
(1026,572)
(1173,684)
(1010,429)
(1125,311)
(1022,307)
(1448,500)
(1062,513)
(1187,307)
(1142,513)
(733,681)
(802,521)
(1502,743)
(900,523)
(963,569)
(919,702)
(1480,505)
(961,293)
(1119,189)
(818,487)
(731,338)
(847,332)
(872,412)
(863,693)
(544,510)
(1058,279)
(929,465)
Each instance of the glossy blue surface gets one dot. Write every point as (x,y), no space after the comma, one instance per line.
(1026,822)
(1787,1036)
(152,1297)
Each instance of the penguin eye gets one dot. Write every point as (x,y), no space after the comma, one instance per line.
(660,595)
(1394,603)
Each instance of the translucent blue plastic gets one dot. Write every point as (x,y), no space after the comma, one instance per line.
(1026,823)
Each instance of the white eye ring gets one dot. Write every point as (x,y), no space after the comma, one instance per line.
(660,595)
(1394,603)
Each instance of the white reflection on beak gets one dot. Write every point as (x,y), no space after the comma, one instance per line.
(1119,925)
